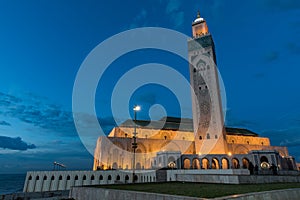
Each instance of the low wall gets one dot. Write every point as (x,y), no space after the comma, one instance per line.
(268,179)
(230,176)
(40,181)
(287,194)
(36,195)
(88,193)
(236,179)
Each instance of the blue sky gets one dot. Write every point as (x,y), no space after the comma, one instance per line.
(43,44)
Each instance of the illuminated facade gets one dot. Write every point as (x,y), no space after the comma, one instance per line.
(201,143)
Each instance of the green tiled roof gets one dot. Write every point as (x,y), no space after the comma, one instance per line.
(173,123)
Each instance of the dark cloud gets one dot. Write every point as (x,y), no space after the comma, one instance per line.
(15,144)
(293,48)
(271,56)
(4,123)
(38,112)
(74,158)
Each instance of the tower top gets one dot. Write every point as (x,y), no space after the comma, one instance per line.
(199,26)
(199,18)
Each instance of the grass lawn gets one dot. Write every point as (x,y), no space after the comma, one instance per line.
(204,190)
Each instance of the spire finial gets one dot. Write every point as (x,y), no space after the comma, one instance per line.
(198,14)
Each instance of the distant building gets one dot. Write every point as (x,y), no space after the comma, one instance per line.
(201,143)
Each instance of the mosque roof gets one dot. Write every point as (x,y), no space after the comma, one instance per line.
(182,124)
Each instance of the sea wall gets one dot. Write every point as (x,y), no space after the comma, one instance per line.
(40,181)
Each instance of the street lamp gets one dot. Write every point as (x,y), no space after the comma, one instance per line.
(136,108)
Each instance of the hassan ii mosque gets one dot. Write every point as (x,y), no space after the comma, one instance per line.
(199,143)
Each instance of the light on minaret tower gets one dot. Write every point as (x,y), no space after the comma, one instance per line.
(199,26)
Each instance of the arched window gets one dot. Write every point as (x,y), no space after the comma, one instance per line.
(52,178)
(45,178)
(126,178)
(109,177)
(245,163)
(205,163)
(235,163)
(60,178)
(208,136)
(92,177)
(84,177)
(225,163)
(100,177)
(200,137)
(135,177)
(30,177)
(37,178)
(76,177)
(196,163)
(118,178)
(68,177)
(215,164)
(186,163)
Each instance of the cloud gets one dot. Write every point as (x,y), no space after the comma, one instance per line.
(293,48)
(177,19)
(14,144)
(139,20)
(38,112)
(4,123)
(271,56)
(282,5)
(290,143)
(176,16)
(173,6)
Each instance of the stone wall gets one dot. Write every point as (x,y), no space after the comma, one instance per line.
(84,193)
(228,177)
(288,194)
(40,181)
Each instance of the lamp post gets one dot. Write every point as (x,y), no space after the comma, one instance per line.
(136,108)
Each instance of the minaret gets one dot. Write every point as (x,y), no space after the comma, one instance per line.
(208,119)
